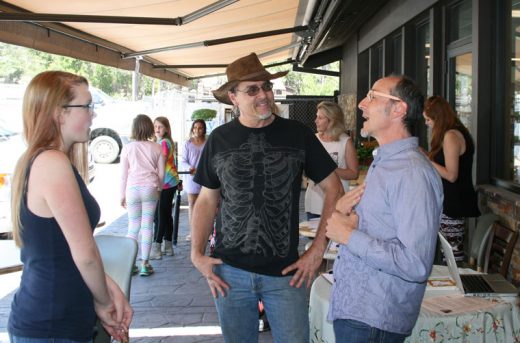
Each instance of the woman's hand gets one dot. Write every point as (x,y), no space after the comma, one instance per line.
(108,316)
(117,315)
(123,310)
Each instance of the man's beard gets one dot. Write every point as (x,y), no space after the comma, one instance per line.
(268,114)
(265,116)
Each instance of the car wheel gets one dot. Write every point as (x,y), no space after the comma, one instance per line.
(104,149)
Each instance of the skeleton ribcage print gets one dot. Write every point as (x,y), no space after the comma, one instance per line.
(257,181)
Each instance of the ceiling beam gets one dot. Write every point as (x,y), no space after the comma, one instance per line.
(189,66)
(218,41)
(316,71)
(79,18)
(322,28)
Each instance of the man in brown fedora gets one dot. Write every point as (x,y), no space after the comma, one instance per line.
(251,170)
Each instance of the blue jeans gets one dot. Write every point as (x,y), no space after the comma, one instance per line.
(353,331)
(286,307)
(17,339)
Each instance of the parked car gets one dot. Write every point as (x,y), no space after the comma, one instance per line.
(110,128)
(112,125)
(12,146)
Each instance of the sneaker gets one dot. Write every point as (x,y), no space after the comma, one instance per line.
(167,248)
(155,253)
(134,269)
(146,270)
(263,325)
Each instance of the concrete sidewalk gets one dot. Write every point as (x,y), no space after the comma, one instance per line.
(172,305)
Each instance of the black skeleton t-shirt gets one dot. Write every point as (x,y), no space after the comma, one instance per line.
(259,173)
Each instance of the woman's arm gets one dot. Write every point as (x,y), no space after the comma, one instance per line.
(124,312)
(54,192)
(453,145)
(185,162)
(351,172)
(161,164)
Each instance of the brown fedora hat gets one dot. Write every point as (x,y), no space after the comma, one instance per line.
(248,68)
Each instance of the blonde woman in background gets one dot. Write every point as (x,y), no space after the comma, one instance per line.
(330,124)
(63,285)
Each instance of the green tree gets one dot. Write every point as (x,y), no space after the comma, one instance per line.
(311,84)
(12,63)
(17,63)
(204,113)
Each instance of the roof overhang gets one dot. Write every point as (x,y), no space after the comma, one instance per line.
(157,34)
(186,39)
(335,21)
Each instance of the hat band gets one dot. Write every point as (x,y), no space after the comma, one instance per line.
(252,76)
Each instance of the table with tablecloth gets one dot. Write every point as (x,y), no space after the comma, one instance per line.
(499,323)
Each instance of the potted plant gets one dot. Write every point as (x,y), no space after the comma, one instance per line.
(364,153)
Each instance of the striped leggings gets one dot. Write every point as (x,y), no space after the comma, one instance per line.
(140,203)
(453,230)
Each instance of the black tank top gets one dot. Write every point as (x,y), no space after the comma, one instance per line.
(460,198)
(53,300)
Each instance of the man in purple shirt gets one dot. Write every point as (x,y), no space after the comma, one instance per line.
(388,226)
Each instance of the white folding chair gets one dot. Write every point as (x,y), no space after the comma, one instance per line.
(479,242)
(118,255)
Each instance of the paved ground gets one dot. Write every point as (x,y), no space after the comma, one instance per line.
(172,305)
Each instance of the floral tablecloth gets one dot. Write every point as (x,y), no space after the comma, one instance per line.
(500,323)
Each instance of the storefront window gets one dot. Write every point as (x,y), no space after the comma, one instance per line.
(423,57)
(459,16)
(515,90)
(463,87)
(397,44)
(377,62)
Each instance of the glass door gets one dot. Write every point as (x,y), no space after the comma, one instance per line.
(460,86)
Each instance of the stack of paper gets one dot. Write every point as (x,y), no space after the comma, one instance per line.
(455,304)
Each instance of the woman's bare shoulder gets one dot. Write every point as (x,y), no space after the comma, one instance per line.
(453,134)
(51,157)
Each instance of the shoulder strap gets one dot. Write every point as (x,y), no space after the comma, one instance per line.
(27,173)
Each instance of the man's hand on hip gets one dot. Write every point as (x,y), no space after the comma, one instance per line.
(305,267)
(205,265)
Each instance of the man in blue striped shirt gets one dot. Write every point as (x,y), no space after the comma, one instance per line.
(388,226)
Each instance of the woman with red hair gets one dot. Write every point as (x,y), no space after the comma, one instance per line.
(451,153)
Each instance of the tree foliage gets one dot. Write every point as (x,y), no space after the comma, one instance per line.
(19,64)
(12,63)
(204,113)
(310,84)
